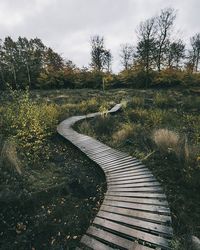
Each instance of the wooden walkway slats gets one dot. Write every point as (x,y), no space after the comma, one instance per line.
(115,239)
(148,216)
(135,213)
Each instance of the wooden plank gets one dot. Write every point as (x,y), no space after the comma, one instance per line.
(137,194)
(126,160)
(94,244)
(135,185)
(108,158)
(125,164)
(103,151)
(122,162)
(127,172)
(128,175)
(115,239)
(105,147)
(138,189)
(137,200)
(92,147)
(131,166)
(131,181)
(127,178)
(113,160)
(148,216)
(114,171)
(104,158)
(136,234)
(118,161)
(137,223)
(143,207)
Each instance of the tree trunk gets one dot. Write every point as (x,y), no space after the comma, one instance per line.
(28,73)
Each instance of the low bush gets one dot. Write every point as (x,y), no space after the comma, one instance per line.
(29,124)
(163,100)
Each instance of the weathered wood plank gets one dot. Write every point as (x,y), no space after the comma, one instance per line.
(136,234)
(135,166)
(123,161)
(131,170)
(137,194)
(130,177)
(139,189)
(106,153)
(148,216)
(143,207)
(109,158)
(115,239)
(107,161)
(137,200)
(94,244)
(118,161)
(127,173)
(135,185)
(137,223)
(131,181)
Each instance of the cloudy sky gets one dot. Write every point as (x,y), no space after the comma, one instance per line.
(67,25)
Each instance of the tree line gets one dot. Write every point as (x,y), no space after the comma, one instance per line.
(157,58)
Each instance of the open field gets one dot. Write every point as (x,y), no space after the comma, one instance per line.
(160,127)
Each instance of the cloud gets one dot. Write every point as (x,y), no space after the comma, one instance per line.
(68,25)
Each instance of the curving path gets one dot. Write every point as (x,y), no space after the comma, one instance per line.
(135,213)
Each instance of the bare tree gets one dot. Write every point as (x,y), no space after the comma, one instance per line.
(194,52)
(107,60)
(126,55)
(97,53)
(146,45)
(165,23)
(175,54)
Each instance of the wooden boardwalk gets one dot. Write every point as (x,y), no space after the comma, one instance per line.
(135,213)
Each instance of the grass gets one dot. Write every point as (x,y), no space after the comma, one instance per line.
(157,126)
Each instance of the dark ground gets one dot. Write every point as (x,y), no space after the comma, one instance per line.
(52,206)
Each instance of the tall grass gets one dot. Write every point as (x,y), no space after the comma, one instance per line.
(167,140)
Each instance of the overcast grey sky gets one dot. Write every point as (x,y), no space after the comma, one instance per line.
(67,25)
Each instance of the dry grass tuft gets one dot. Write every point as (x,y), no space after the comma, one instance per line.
(86,128)
(9,157)
(123,133)
(167,140)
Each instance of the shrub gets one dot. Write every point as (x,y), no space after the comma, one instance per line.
(90,105)
(168,77)
(191,103)
(190,79)
(104,109)
(192,125)
(30,124)
(156,117)
(163,100)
